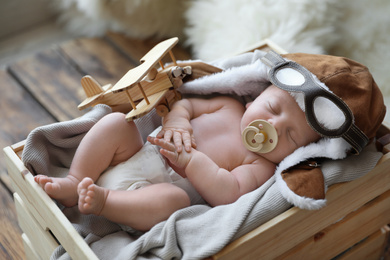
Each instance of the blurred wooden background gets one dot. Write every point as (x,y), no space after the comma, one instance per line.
(43,88)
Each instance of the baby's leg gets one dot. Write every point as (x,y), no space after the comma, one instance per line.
(110,141)
(140,209)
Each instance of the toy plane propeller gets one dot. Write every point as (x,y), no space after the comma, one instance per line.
(144,87)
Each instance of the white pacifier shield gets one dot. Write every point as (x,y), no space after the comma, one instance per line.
(260,137)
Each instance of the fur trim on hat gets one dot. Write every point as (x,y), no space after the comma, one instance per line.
(230,81)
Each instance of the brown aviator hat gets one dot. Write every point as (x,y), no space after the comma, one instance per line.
(352,82)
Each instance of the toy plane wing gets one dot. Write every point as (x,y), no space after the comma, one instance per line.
(143,107)
(133,76)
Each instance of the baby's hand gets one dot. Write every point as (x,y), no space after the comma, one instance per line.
(169,150)
(179,137)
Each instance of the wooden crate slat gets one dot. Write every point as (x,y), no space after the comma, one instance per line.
(53,82)
(348,230)
(42,241)
(370,248)
(29,249)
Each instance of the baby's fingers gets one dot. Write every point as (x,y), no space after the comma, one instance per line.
(193,142)
(168,135)
(188,141)
(170,155)
(165,134)
(151,139)
(162,143)
(160,134)
(178,141)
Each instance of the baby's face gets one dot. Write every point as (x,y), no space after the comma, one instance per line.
(281,110)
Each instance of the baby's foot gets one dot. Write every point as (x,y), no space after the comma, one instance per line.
(64,190)
(92,198)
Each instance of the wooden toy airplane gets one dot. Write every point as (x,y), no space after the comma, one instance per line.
(144,87)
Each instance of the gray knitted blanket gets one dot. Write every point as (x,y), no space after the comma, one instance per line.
(195,232)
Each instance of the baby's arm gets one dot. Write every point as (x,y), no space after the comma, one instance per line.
(217,186)
(177,123)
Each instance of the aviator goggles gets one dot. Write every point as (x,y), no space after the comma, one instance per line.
(292,77)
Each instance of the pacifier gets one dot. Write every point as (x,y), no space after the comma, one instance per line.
(260,136)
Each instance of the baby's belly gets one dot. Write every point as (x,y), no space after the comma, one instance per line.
(221,144)
(225,154)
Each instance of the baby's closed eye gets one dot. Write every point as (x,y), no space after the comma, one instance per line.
(275,109)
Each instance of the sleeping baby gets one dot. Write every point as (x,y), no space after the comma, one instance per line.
(207,151)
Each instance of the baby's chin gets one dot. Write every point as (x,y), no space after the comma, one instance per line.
(275,156)
(270,158)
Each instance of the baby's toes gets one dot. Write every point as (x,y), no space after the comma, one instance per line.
(83,185)
(42,180)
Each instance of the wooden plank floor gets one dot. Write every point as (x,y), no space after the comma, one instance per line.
(45,88)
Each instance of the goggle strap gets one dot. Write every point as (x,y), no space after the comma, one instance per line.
(272,59)
(355,137)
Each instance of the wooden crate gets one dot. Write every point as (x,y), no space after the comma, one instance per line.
(354,221)
(357,211)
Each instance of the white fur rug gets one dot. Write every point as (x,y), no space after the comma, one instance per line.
(357,29)
(219,28)
(135,18)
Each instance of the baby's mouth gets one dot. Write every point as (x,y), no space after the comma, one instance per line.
(260,136)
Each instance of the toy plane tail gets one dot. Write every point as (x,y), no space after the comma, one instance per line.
(91,86)
(93,90)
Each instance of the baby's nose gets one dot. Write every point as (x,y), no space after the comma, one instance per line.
(277,124)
